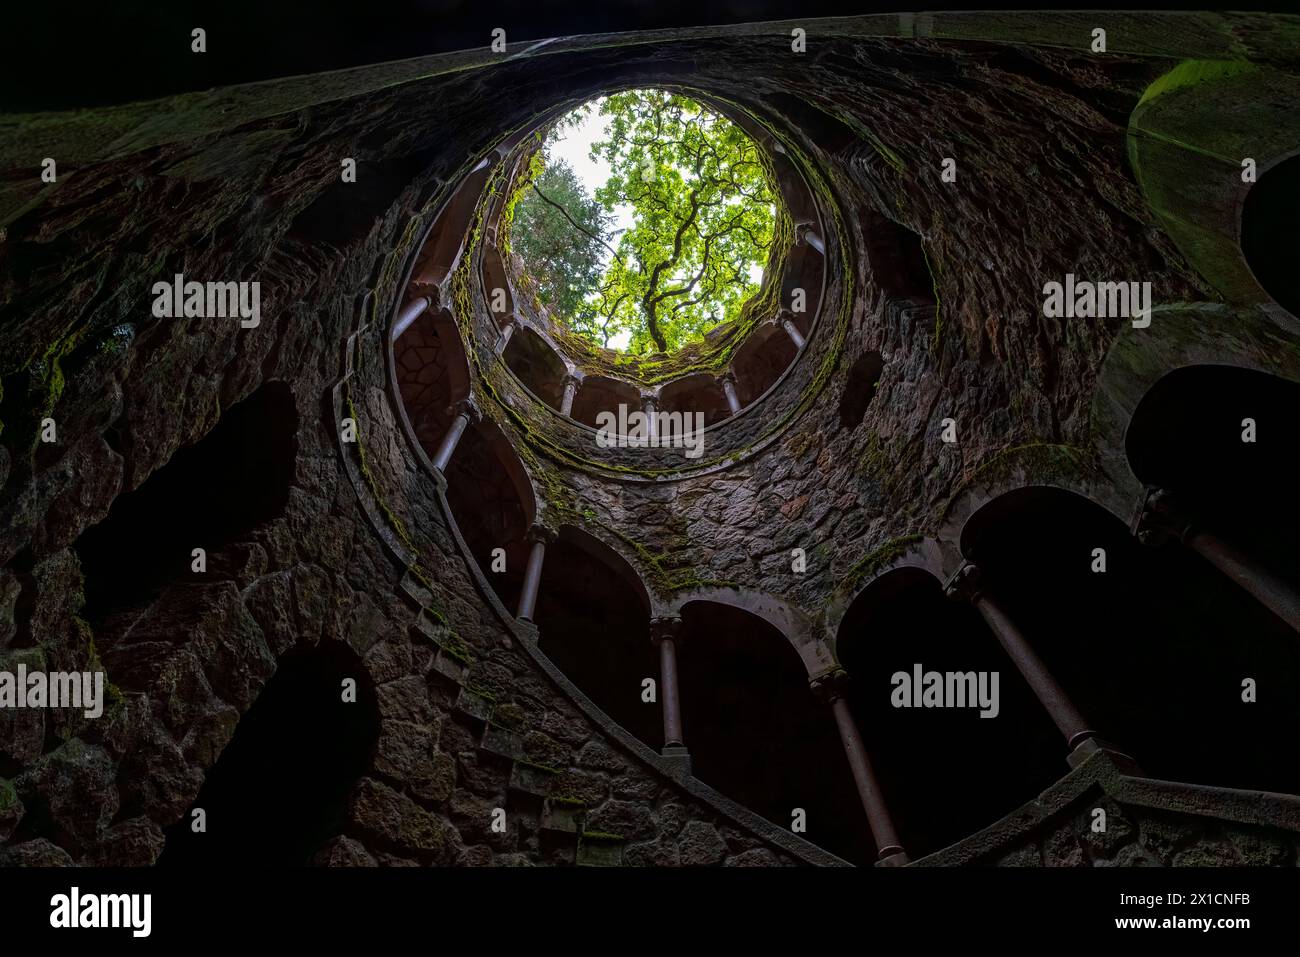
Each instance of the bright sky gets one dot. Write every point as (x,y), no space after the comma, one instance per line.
(573,145)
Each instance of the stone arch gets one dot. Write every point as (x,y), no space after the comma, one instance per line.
(761,360)
(598,393)
(805,268)
(1178,337)
(300,748)
(494,502)
(787,619)
(923,554)
(1187,439)
(495,277)
(1185,141)
(1135,637)
(444,243)
(902,621)
(432,374)
(536,365)
(609,556)
(1268,217)
(755,730)
(593,616)
(699,392)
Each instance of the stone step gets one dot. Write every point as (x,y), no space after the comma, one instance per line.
(597,849)
(503,742)
(529,778)
(473,704)
(563,815)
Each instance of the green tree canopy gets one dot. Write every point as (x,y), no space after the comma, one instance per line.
(702,214)
(559,231)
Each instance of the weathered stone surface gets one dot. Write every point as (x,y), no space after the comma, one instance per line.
(37,853)
(235,187)
(132,843)
(379,811)
(758,857)
(701,845)
(11,809)
(594,754)
(22,730)
(76,785)
(343,852)
(624,818)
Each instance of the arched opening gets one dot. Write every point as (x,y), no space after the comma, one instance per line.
(432,373)
(643,265)
(210,495)
(761,360)
(945,772)
(594,619)
(801,285)
(492,502)
(534,362)
(599,394)
(696,393)
(280,788)
(1154,649)
(758,734)
(860,389)
(496,285)
(1187,435)
(1268,218)
(897,258)
(442,248)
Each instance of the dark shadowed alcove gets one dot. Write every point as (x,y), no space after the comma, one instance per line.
(759,735)
(700,393)
(860,389)
(897,258)
(211,494)
(490,499)
(1268,222)
(759,361)
(599,394)
(432,372)
(280,788)
(1154,649)
(536,365)
(345,212)
(1186,436)
(594,618)
(946,772)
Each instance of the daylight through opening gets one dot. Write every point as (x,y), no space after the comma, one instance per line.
(641,221)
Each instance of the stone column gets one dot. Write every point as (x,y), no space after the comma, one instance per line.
(410,312)
(666,633)
(464,412)
(507,331)
(729,390)
(786,318)
(570,393)
(1161,519)
(538,535)
(831,688)
(966,585)
(650,406)
(808,234)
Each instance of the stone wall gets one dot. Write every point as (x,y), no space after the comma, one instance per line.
(241,184)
